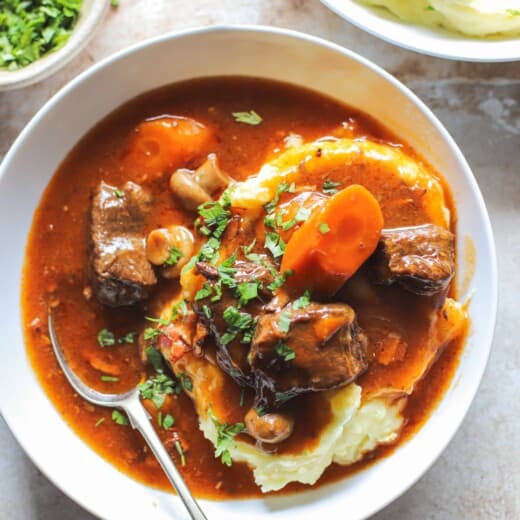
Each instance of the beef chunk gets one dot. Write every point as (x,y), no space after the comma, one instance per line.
(232,355)
(283,349)
(420,258)
(119,271)
(297,350)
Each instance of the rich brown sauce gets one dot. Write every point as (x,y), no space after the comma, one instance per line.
(55,274)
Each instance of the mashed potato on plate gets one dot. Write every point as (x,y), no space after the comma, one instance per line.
(470,17)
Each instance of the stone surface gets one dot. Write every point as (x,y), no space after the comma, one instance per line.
(478,476)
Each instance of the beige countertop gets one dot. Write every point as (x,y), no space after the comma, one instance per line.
(478,476)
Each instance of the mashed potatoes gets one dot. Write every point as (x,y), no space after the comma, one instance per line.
(470,17)
(355,429)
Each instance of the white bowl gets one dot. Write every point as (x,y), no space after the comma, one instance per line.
(267,53)
(92,12)
(435,42)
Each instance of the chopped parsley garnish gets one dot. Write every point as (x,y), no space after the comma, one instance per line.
(165,422)
(242,396)
(109,379)
(208,252)
(283,187)
(114,3)
(207,312)
(302,301)
(186,382)
(280,279)
(323,228)
(225,435)
(214,217)
(284,351)
(158,387)
(249,118)
(284,323)
(513,12)
(180,451)
(430,8)
(238,323)
(175,255)
(247,291)
(281,397)
(204,292)
(275,244)
(330,187)
(180,309)
(247,249)
(260,410)
(106,338)
(99,422)
(119,418)
(119,194)
(31,29)
(129,337)
(154,358)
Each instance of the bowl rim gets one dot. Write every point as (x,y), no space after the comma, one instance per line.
(485,342)
(362,22)
(89,19)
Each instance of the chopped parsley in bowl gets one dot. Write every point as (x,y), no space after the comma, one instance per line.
(37,37)
(31,29)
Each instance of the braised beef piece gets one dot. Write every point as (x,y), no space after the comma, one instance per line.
(420,258)
(293,350)
(232,355)
(119,271)
(297,350)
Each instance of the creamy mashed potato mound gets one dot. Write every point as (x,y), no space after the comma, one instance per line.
(470,17)
(355,428)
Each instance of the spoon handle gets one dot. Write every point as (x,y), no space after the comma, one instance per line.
(139,419)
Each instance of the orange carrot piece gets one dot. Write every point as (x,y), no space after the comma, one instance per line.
(336,240)
(166,143)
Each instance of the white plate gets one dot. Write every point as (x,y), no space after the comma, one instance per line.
(266,53)
(426,40)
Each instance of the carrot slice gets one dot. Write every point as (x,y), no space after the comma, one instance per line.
(166,143)
(336,240)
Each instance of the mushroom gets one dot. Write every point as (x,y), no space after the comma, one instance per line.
(270,427)
(193,188)
(170,248)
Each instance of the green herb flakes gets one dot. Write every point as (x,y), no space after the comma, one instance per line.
(330,187)
(284,351)
(275,244)
(248,118)
(225,435)
(119,194)
(180,451)
(129,337)
(174,256)
(186,382)
(109,379)
(302,301)
(119,418)
(154,358)
(238,323)
(323,228)
(30,29)
(157,388)
(284,323)
(106,338)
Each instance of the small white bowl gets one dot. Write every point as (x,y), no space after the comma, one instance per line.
(92,12)
(426,40)
(249,51)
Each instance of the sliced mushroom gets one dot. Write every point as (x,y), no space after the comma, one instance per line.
(210,177)
(270,427)
(184,186)
(162,242)
(193,188)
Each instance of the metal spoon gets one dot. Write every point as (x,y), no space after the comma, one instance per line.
(139,419)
